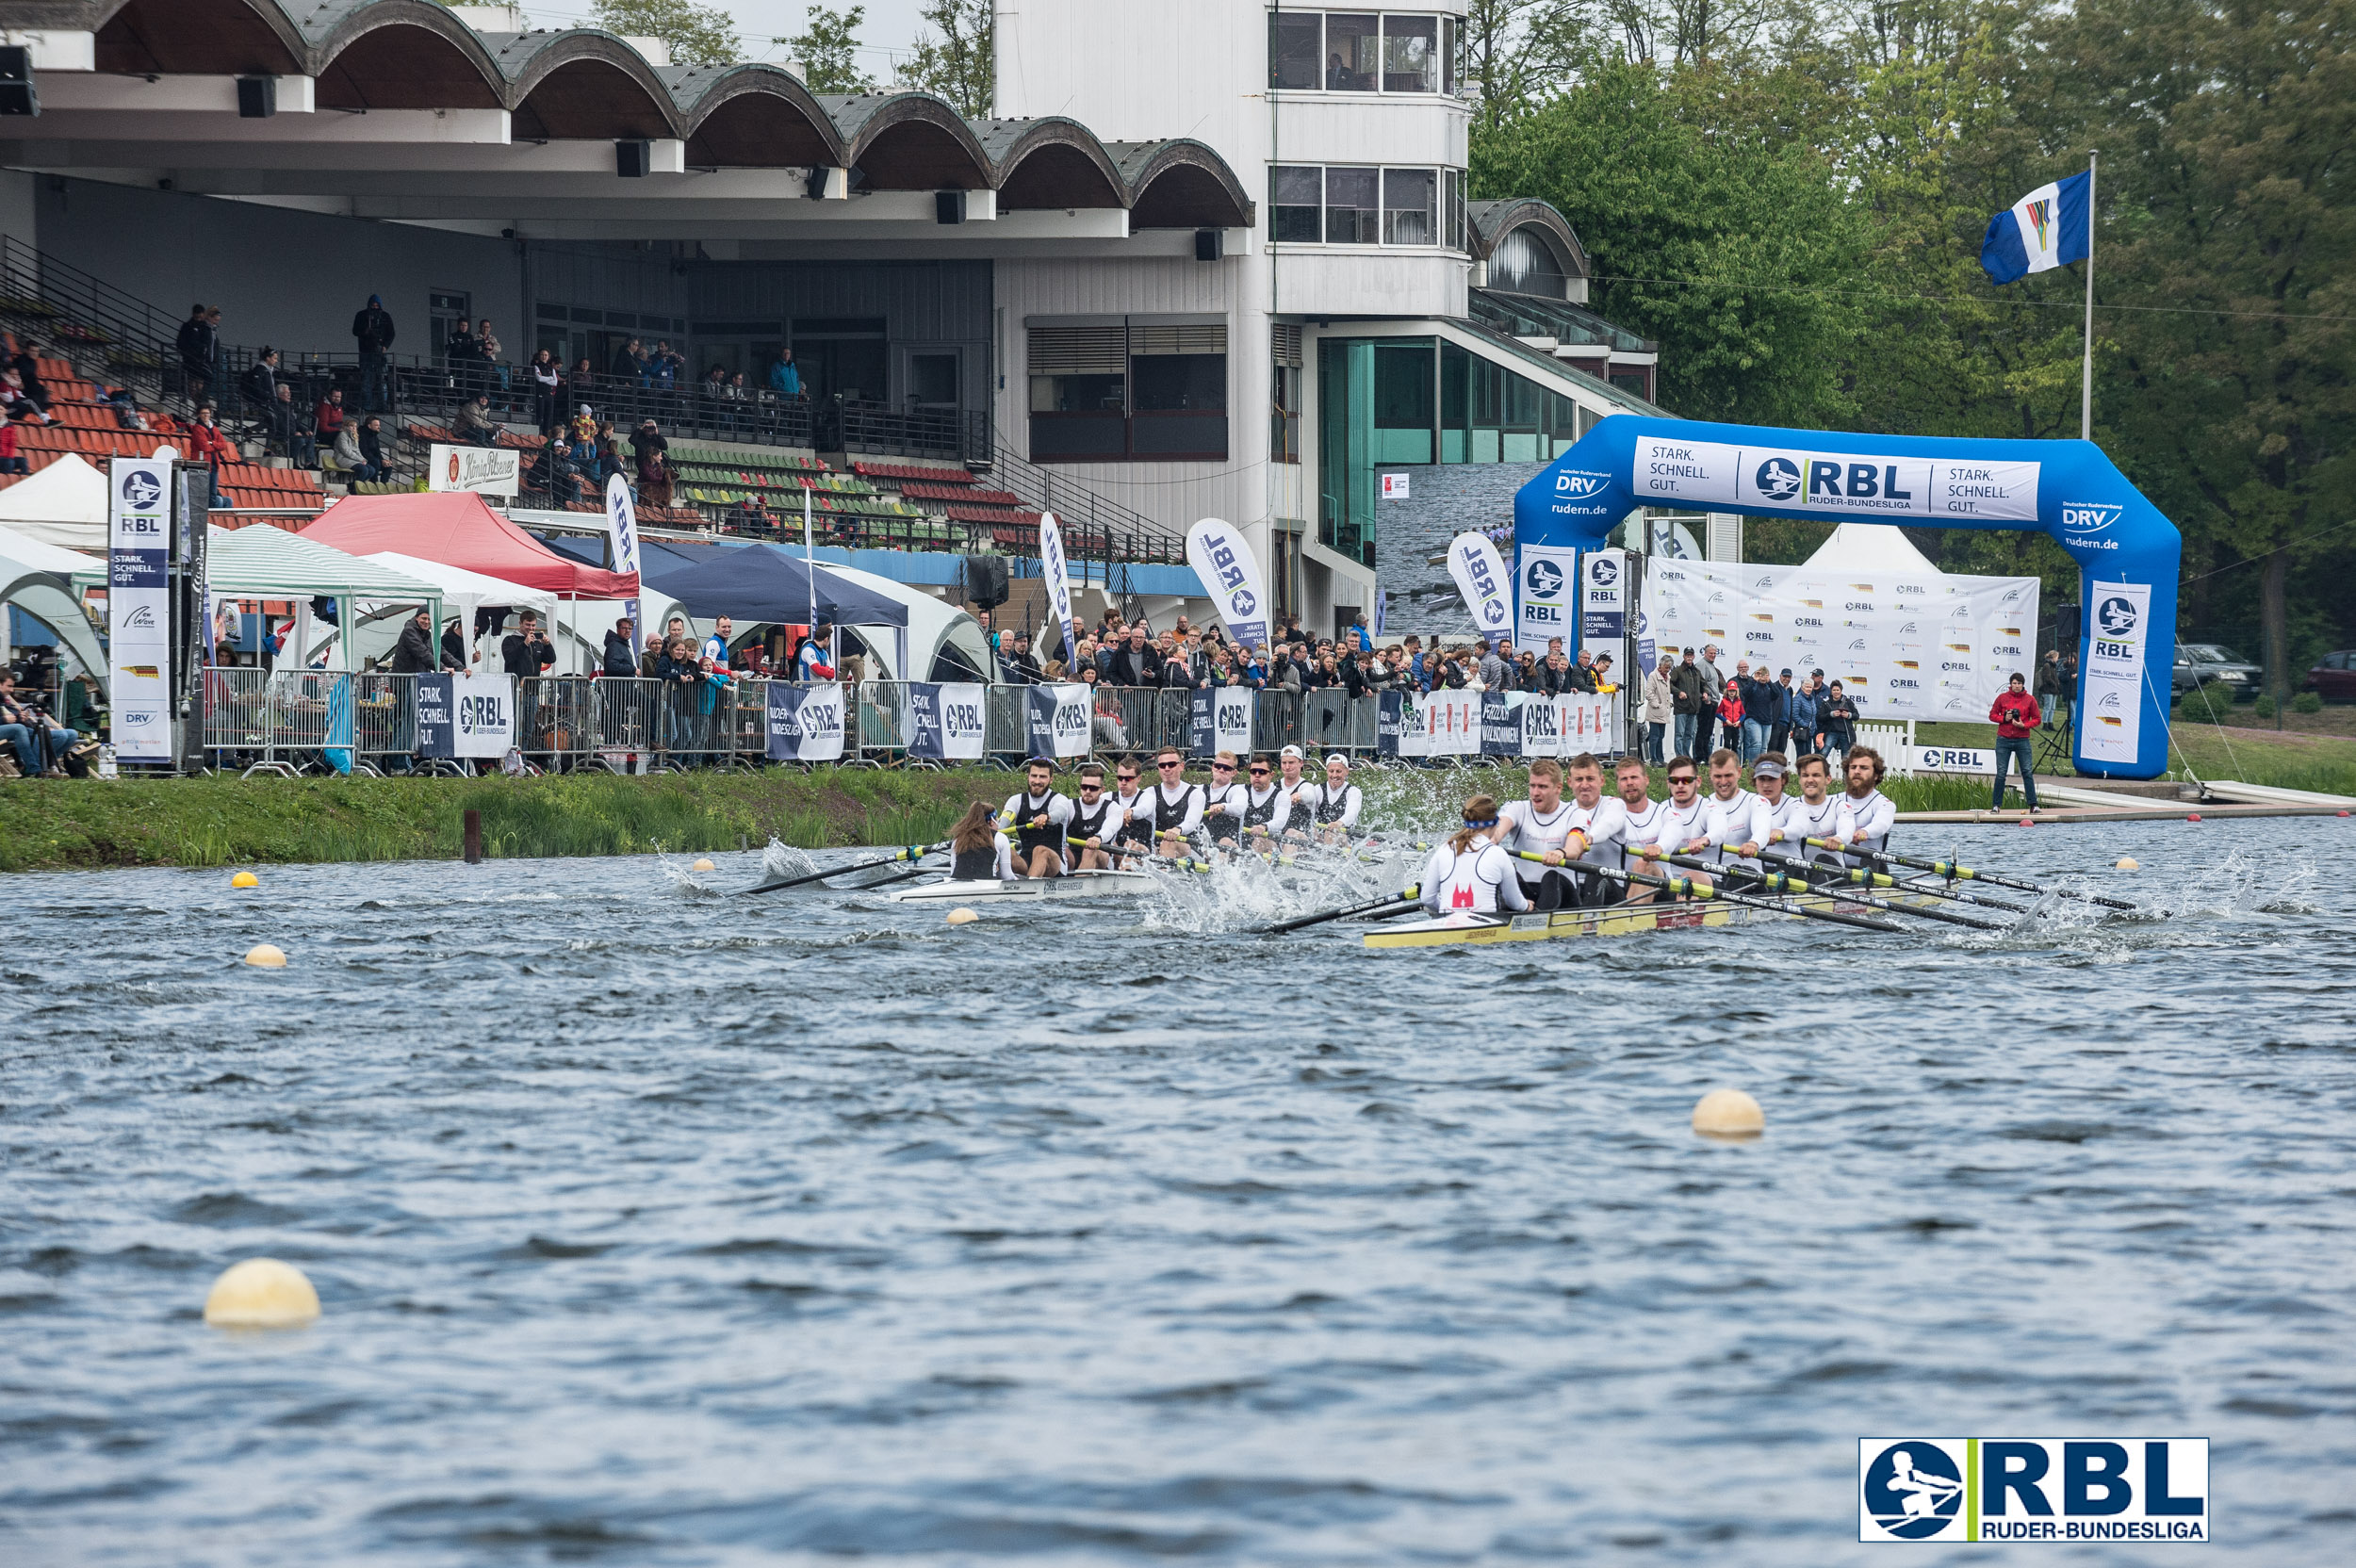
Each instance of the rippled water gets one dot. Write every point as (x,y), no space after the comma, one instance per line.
(654,1226)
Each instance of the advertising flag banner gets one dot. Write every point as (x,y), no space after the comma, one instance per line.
(1201,728)
(1603,601)
(1543,579)
(1056,719)
(920,720)
(1056,573)
(1388,707)
(139,607)
(1480,574)
(621,516)
(2118,616)
(805,721)
(1230,719)
(1231,579)
(485,470)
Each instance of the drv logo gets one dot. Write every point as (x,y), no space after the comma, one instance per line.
(2083,518)
(1579,485)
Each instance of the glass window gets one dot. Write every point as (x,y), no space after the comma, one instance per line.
(1295,197)
(1077,394)
(1292,49)
(1352,206)
(1411,54)
(1448,54)
(1408,201)
(1524,263)
(1455,210)
(1353,53)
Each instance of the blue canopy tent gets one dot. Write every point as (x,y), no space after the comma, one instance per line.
(2128,554)
(754,583)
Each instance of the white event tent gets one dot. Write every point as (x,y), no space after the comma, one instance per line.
(465,592)
(64,504)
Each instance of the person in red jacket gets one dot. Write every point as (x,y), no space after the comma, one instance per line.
(2016,718)
(206,442)
(11,462)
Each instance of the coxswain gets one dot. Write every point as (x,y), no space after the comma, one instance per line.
(1679,822)
(1815,812)
(1468,872)
(1730,831)
(1268,806)
(1039,817)
(1597,823)
(1176,805)
(1540,825)
(1134,839)
(978,851)
(1872,814)
(1297,820)
(1223,803)
(1333,806)
(1097,822)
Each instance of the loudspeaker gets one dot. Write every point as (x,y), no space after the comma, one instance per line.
(986,580)
(257,97)
(1208,244)
(949,206)
(630,158)
(2067,627)
(17,93)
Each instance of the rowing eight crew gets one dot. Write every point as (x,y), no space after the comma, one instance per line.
(1730,827)
(1052,835)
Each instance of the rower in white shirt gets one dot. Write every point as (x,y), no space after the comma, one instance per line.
(1815,812)
(1730,830)
(1333,806)
(1468,873)
(1678,823)
(1871,811)
(1640,817)
(1597,823)
(1540,825)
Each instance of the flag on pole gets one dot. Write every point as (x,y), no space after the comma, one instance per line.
(2043,230)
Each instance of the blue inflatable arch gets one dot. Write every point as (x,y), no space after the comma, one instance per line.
(2127,553)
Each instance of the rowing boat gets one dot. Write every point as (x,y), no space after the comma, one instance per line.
(1078,884)
(1464,928)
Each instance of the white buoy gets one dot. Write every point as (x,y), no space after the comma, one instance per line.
(265,956)
(962,917)
(261,1293)
(704,865)
(2128,862)
(1728,1114)
(245,879)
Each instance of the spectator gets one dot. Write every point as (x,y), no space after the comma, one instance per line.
(1713,693)
(630,365)
(12,461)
(27,368)
(259,384)
(346,454)
(555,471)
(607,449)
(461,355)
(585,426)
(583,379)
(1106,721)
(127,412)
(809,660)
(453,640)
(198,343)
(1837,717)
(474,424)
(2015,716)
(413,653)
(1793,726)
(291,430)
(1496,667)
(1689,685)
(650,660)
(1359,636)
(664,367)
(785,377)
(328,418)
(621,645)
(13,402)
(1021,668)
(38,739)
(372,334)
(548,390)
(1660,710)
(488,349)
(205,441)
(372,464)
(526,651)
(2049,694)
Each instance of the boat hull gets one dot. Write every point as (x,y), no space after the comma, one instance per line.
(1621,920)
(1081,884)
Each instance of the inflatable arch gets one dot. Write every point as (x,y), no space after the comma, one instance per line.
(2127,553)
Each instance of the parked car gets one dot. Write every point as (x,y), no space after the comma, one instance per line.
(2199,663)
(2335,677)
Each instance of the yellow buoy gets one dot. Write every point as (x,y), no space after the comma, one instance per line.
(261,1293)
(962,917)
(2128,862)
(1728,1114)
(704,865)
(267,957)
(245,879)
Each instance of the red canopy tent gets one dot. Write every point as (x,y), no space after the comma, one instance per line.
(459,528)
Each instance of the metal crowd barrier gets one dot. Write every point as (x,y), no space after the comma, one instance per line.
(385,719)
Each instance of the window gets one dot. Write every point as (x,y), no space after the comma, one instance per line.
(1524,263)
(1125,391)
(1343,205)
(1411,54)
(1353,53)
(1294,40)
(1408,217)
(1079,371)
(1284,439)
(1296,205)
(1448,25)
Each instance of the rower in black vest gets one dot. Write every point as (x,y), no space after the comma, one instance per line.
(1177,804)
(1263,801)
(978,851)
(1097,822)
(1224,802)
(1038,817)
(1288,779)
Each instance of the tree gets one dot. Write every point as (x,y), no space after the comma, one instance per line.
(1515,50)
(695,35)
(961,63)
(828,50)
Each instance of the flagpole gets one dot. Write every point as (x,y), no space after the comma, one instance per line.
(2086,380)
(810,567)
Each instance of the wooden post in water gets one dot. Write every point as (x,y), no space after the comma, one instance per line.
(474,838)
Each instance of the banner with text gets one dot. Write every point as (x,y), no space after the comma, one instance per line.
(1056,572)
(1480,574)
(2118,622)
(1056,719)
(944,722)
(485,470)
(466,715)
(1544,581)
(139,607)
(805,722)
(1691,475)
(1231,578)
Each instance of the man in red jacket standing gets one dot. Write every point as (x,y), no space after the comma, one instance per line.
(2016,718)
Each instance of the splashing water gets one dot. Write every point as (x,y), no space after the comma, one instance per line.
(779,859)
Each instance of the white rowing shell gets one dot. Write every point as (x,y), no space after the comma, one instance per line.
(1080,883)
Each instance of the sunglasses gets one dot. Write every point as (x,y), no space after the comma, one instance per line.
(1169,764)
(1223,767)
(1089,784)
(1127,778)
(1259,773)
(1683,778)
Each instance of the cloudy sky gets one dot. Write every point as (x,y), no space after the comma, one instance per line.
(891,26)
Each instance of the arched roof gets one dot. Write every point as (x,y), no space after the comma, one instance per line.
(1491,221)
(1052,162)
(752,117)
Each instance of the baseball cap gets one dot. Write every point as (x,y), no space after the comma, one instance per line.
(1770,766)
(1290,751)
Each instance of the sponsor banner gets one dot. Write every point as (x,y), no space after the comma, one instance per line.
(805,722)
(2084,1489)
(1603,601)
(1500,726)
(2110,726)
(1230,719)
(920,719)
(1452,724)
(1389,709)
(485,470)
(1055,720)
(466,715)
(945,722)
(139,607)
(1694,475)
(1544,577)
(1541,720)
(1056,573)
(1231,577)
(1965,759)
(621,516)
(1202,727)
(1480,574)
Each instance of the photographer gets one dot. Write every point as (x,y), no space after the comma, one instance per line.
(525,653)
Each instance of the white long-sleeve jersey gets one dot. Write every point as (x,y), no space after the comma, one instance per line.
(1480,880)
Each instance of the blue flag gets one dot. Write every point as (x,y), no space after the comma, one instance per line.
(2043,230)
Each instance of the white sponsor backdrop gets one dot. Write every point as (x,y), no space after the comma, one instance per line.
(485,470)
(1448,724)
(1547,597)
(482,714)
(1902,647)
(2110,728)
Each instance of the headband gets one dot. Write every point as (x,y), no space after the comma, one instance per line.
(1481,822)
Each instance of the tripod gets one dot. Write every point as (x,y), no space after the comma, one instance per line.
(2057,746)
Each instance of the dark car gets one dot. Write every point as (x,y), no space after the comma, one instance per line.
(2199,663)
(2335,677)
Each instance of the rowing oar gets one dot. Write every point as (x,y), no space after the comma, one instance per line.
(1857,877)
(1778,882)
(1711,890)
(913,852)
(1388,904)
(1954,872)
